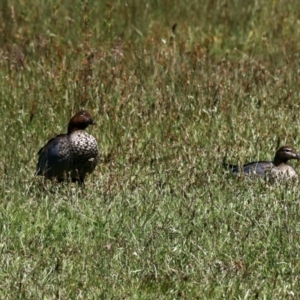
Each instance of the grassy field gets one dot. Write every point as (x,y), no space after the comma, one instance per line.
(175,89)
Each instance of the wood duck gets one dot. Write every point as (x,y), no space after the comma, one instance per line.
(72,155)
(277,169)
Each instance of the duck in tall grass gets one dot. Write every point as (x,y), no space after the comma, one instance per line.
(276,169)
(72,155)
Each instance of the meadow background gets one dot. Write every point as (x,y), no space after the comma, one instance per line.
(175,88)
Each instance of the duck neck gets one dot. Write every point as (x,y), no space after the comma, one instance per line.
(279,161)
(72,128)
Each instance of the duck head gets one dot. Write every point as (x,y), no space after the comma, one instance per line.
(285,153)
(80,121)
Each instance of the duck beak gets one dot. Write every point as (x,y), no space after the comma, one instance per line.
(297,155)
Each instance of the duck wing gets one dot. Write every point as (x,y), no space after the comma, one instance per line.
(54,157)
(51,143)
(259,168)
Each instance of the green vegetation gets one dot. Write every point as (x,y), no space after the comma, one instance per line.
(159,218)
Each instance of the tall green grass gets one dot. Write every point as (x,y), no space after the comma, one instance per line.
(174,88)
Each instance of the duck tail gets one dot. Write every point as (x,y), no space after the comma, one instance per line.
(228,166)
